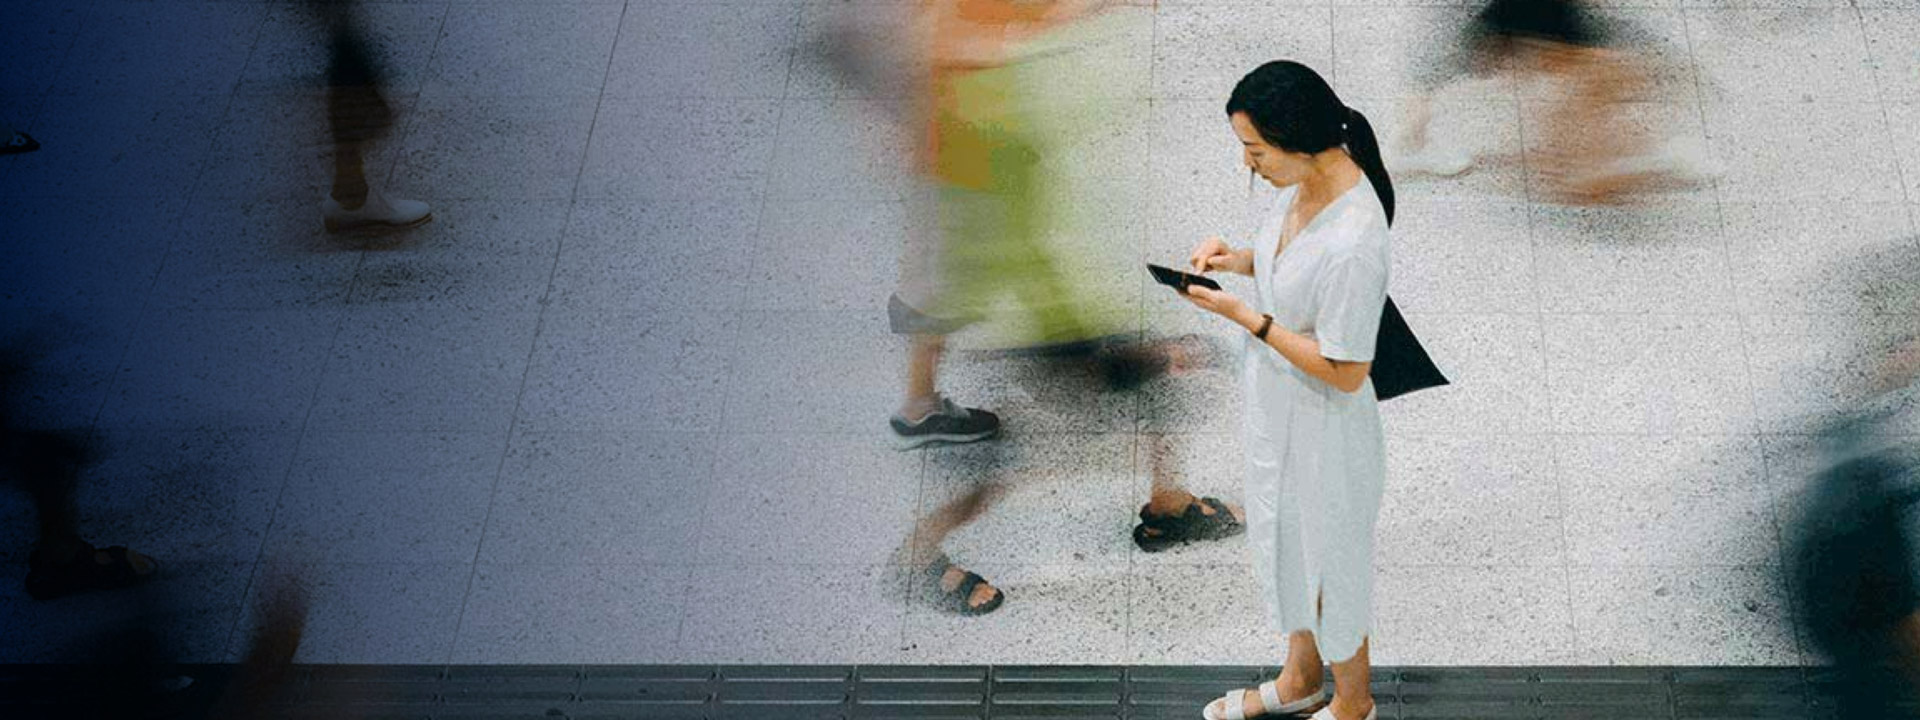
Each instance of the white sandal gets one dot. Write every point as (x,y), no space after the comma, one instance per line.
(1326,713)
(1270,705)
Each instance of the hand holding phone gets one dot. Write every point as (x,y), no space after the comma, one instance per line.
(1180,281)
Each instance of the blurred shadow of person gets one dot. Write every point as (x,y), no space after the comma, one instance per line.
(136,673)
(1851,550)
(267,669)
(357,116)
(1591,155)
(47,465)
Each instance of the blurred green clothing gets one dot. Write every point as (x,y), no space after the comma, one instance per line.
(1014,213)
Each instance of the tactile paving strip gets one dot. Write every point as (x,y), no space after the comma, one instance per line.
(601,692)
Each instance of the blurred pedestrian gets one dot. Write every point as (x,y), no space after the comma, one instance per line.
(1851,548)
(989,133)
(984,136)
(1590,154)
(47,465)
(357,117)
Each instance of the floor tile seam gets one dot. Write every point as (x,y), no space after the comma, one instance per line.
(226,119)
(1900,170)
(66,56)
(1782,532)
(1540,316)
(910,555)
(493,493)
(231,95)
(400,139)
(736,327)
(178,222)
(527,371)
(728,400)
(1137,403)
(261,560)
(1753,392)
(1739,567)
(191,201)
(145,311)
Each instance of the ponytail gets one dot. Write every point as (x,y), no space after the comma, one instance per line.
(1364,148)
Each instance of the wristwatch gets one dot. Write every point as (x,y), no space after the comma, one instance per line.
(1266,323)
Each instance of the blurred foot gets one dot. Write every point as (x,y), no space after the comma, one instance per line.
(1685,160)
(377,213)
(19,143)
(77,567)
(961,591)
(1675,164)
(1197,520)
(1432,159)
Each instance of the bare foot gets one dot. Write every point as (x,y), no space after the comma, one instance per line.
(1351,710)
(1176,504)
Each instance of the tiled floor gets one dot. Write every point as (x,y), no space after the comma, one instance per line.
(623,400)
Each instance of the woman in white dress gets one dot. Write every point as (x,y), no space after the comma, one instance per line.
(1316,460)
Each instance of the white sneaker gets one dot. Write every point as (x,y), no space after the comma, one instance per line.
(378,213)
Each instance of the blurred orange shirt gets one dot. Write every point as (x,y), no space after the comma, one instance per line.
(965,37)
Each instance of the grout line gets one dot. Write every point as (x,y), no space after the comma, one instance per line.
(1900,170)
(910,573)
(286,480)
(1553,436)
(1742,317)
(749,261)
(147,310)
(533,350)
(1137,401)
(66,55)
(398,140)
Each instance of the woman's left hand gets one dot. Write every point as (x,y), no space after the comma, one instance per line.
(1219,302)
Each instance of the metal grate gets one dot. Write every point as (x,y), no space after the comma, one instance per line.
(607,692)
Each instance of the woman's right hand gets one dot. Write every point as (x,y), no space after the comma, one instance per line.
(1214,254)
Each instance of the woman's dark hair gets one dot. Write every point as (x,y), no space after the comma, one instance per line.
(1295,110)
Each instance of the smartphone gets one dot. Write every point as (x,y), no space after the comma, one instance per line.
(1180,280)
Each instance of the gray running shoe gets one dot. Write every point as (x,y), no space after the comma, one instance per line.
(949,424)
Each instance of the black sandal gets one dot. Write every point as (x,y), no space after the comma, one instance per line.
(957,600)
(1159,532)
(85,572)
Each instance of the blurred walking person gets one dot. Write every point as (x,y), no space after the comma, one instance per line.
(1591,153)
(357,117)
(47,464)
(1851,549)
